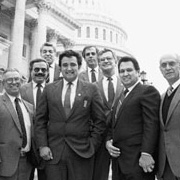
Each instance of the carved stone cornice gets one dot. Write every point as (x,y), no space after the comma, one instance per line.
(51,34)
(67,43)
(31,23)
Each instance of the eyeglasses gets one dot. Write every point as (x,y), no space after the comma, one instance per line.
(11,80)
(38,69)
(170,64)
(90,53)
(106,58)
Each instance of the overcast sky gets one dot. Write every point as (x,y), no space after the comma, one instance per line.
(153,29)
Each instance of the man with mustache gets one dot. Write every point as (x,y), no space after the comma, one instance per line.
(31,92)
(92,73)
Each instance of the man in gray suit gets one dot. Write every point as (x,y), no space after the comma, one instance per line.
(92,73)
(169,144)
(110,87)
(31,92)
(16,130)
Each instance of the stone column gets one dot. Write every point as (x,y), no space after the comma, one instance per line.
(41,26)
(15,56)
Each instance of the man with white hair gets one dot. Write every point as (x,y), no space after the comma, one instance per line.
(169,143)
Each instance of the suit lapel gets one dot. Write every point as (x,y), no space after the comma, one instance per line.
(174,102)
(29,92)
(12,111)
(161,105)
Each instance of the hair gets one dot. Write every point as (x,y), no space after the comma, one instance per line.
(70,53)
(131,59)
(37,61)
(10,70)
(104,51)
(88,47)
(171,56)
(47,44)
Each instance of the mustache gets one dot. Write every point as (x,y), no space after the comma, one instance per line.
(40,74)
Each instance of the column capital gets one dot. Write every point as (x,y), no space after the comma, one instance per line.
(52,34)
(31,23)
(42,5)
(67,43)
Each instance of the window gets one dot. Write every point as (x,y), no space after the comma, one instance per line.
(111,36)
(24,53)
(116,38)
(88,32)
(96,33)
(79,32)
(104,34)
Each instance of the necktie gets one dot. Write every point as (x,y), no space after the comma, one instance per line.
(21,120)
(67,101)
(47,78)
(170,90)
(120,102)
(93,76)
(38,94)
(110,91)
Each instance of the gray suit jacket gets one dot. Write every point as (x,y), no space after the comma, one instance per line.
(10,136)
(169,144)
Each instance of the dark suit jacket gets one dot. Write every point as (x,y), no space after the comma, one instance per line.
(136,128)
(10,136)
(169,143)
(84,75)
(74,130)
(56,72)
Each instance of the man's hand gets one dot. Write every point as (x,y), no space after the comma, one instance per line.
(113,151)
(146,162)
(45,153)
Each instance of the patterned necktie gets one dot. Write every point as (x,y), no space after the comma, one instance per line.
(67,100)
(111,93)
(170,91)
(93,76)
(21,120)
(38,94)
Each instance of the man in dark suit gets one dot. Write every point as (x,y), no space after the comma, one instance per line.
(169,142)
(110,87)
(92,73)
(63,123)
(133,140)
(48,52)
(30,92)
(16,129)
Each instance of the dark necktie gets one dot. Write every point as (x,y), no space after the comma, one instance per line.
(125,92)
(47,78)
(21,120)
(93,76)
(67,101)
(38,94)
(110,91)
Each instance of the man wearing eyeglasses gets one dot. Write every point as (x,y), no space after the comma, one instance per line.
(31,92)
(169,142)
(16,129)
(92,73)
(110,88)
(48,52)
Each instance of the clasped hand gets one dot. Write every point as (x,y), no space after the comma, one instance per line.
(113,151)
(45,153)
(146,162)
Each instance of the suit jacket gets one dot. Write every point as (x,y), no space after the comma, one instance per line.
(169,143)
(56,72)
(74,130)
(136,128)
(84,75)
(107,107)
(10,135)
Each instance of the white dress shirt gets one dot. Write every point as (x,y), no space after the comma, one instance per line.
(73,91)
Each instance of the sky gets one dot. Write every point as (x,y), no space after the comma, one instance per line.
(153,29)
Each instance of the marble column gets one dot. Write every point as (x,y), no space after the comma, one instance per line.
(43,9)
(17,37)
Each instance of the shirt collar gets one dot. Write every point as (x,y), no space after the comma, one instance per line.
(35,84)
(12,98)
(133,86)
(113,77)
(73,82)
(95,69)
(176,84)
